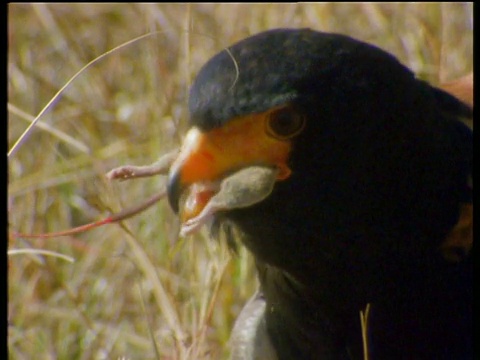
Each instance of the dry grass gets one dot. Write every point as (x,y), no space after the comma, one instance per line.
(135,290)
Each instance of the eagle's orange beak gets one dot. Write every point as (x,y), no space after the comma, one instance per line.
(207,157)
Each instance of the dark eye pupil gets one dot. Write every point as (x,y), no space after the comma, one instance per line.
(285,123)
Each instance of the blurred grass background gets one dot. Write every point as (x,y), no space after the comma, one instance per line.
(136,291)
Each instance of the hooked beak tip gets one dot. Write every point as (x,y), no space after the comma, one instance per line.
(174,190)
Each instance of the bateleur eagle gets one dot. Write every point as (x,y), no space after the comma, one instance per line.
(371,201)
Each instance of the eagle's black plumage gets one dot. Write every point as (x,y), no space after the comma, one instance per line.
(378,177)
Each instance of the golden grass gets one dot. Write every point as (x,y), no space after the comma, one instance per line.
(135,290)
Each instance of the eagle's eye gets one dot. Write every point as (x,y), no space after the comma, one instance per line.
(284,123)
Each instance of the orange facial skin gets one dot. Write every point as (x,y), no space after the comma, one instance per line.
(207,157)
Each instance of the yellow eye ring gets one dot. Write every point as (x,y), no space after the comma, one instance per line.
(284,123)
